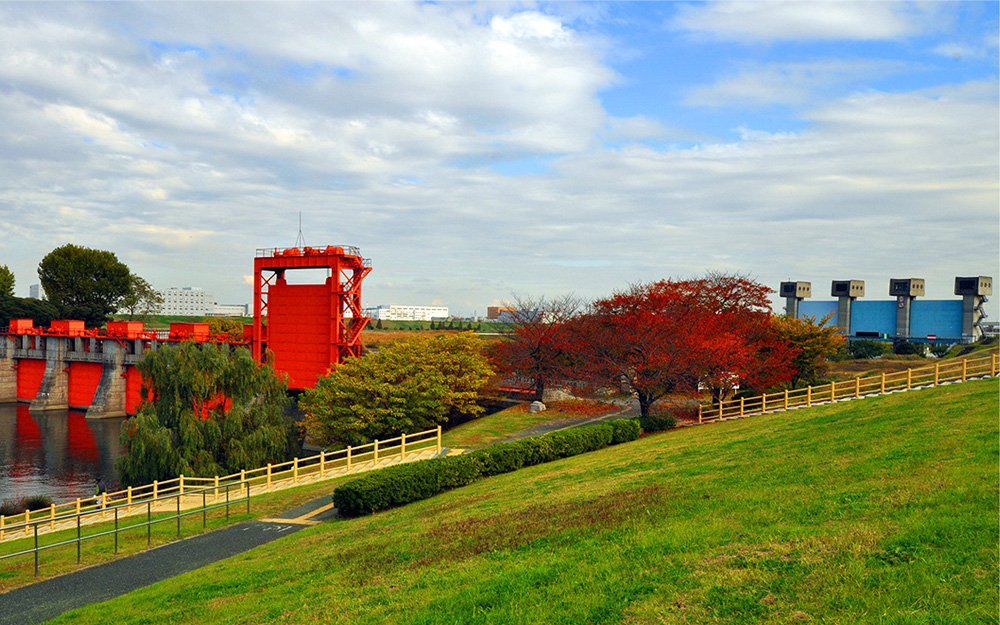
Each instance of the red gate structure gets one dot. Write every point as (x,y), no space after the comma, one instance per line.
(307,328)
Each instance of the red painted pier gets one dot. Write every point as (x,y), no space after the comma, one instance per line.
(66,366)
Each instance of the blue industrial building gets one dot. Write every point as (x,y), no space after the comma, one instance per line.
(907,317)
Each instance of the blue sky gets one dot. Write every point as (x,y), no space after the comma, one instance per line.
(475,151)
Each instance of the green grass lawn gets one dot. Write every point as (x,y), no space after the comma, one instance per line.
(501,425)
(875,511)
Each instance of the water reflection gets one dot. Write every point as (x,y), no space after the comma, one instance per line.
(56,453)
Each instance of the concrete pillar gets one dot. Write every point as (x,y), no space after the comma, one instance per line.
(794,292)
(109,400)
(905,290)
(8,374)
(53,393)
(846,291)
(973,290)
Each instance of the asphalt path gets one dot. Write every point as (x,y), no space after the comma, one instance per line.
(48,599)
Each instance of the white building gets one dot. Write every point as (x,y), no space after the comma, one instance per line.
(231,310)
(396,312)
(188,301)
(35,291)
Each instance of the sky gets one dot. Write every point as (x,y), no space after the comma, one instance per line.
(480,152)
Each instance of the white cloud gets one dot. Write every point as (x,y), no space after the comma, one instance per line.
(801,21)
(793,83)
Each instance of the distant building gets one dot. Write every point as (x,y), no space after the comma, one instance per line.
(35,291)
(231,310)
(396,312)
(189,301)
(493,312)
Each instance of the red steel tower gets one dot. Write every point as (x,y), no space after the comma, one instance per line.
(308,328)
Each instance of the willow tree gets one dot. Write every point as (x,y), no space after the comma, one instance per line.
(206,411)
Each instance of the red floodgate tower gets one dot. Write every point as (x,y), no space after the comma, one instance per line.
(309,328)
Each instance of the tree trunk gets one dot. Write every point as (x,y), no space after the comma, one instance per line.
(539,388)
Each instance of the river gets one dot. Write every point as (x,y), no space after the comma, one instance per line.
(57,453)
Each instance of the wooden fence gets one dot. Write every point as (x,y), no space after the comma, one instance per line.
(327,464)
(953,370)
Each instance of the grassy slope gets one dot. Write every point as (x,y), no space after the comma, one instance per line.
(501,425)
(882,510)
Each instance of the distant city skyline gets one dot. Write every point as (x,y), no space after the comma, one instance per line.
(480,151)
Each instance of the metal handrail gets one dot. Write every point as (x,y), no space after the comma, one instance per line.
(178,515)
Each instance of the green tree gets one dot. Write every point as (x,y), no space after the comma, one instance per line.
(141,300)
(815,345)
(84,283)
(6,281)
(230,327)
(42,311)
(211,411)
(405,387)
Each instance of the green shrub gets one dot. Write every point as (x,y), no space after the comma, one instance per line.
(657,422)
(624,430)
(402,484)
(866,349)
(37,502)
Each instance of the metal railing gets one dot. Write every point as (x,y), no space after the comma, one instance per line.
(326,464)
(921,377)
(31,527)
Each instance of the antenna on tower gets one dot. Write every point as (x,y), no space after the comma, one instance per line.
(300,240)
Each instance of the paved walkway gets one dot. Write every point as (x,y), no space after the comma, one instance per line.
(48,599)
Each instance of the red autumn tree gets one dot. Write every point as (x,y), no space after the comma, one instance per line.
(535,349)
(672,336)
(749,353)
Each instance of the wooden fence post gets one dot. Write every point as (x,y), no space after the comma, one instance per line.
(215,493)
(375,455)
(786,399)
(699,413)
(833,391)
(52,516)
(402,447)
(809,396)
(965,370)
(909,378)
(128,498)
(243,482)
(994,360)
(322,462)
(741,406)
(439,439)
(857,388)
(882,388)
(180,484)
(348,458)
(295,469)
(2,518)
(937,373)
(268,476)
(156,485)
(763,403)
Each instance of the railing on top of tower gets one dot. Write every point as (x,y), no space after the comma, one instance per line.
(346,250)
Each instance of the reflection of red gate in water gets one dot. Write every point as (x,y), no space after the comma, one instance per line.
(80,442)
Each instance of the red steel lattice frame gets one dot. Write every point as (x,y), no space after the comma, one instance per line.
(346,321)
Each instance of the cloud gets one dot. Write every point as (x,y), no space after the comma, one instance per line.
(803,21)
(790,83)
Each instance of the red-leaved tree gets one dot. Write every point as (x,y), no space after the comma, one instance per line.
(535,349)
(673,336)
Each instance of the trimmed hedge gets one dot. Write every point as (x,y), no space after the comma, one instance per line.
(657,422)
(405,483)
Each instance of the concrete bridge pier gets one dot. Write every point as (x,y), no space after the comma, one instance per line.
(109,400)
(53,391)
(8,372)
